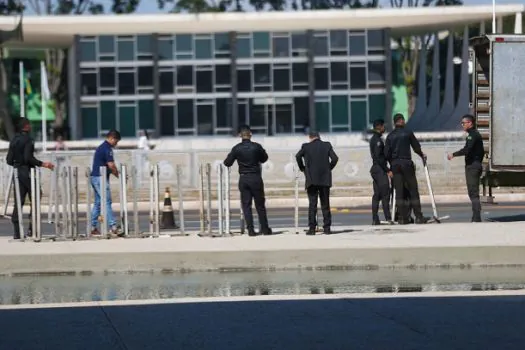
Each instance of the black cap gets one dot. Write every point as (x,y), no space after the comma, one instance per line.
(397,117)
(378,122)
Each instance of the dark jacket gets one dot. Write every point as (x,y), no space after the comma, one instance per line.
(473,150)
(21,152)
(320,159)
(398,144)
(377,151)
(249,156)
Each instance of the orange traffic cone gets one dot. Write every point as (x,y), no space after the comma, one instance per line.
(168,218)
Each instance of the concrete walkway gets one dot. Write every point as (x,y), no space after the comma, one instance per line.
(349,247)
(489,320)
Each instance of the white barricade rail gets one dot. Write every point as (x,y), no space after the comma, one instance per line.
(8,190)
(103,217)
(181,200)
(88,202)
(18,203)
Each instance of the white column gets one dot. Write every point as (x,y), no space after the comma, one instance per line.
(499,25)
(517,24)
(482,30)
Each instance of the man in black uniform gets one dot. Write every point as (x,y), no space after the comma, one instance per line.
(21,156)
(474,153)
(320,159)
(250,155)
(397,152)
(381,174)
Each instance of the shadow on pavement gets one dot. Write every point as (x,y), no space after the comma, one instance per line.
(509,218)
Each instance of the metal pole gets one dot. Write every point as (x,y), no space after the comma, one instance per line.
(241,219)
(208,196)
(296,194)
(88,204)
(103,201)
(151,200)
(8,191)
(124,203)
(69,202)
(37,231)
(134,174)
(181,202)
(227,195)
(52,200)
(157,204)
(63,217)
(220,199)
(120,196)
(33,200)
(18,203)
(201,196)
(75,202)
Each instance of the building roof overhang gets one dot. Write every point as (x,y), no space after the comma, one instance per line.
(52,31)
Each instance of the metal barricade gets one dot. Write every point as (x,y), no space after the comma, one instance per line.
(103,203)
(154,201)
(8,190)
(180,198)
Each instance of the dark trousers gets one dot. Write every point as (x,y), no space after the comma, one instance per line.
(473,175)
(381,185)
(406,197)
(251,187)
(405,175)
(24,181)
(323,193)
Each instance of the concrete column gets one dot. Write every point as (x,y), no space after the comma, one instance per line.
(388,79)
(310,39)
(499,25)
(482,30)
(75,90)
(156,84)
(233,75)
(517,24)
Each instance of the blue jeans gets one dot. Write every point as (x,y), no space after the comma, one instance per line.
(95,212)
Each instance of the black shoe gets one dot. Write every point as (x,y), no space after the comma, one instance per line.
(422,220)
(327,231)
(376,222)
(252,233)
(403,222)
(476,219)
(267,232)
(311,232)
(410,220)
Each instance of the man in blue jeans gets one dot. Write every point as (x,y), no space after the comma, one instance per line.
(104,157)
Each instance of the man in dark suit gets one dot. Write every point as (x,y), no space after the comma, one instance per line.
(320,159)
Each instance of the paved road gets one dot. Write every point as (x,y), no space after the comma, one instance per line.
(280,218)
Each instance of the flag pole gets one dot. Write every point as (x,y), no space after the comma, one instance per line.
(21,78)
(43,93)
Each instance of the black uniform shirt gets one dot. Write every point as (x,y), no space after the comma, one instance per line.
(21,152)
(398,143)
(249,156)
(473,150)
(377,151)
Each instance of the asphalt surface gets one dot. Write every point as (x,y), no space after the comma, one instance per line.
(281,218)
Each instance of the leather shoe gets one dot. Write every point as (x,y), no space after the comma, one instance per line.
(311,232)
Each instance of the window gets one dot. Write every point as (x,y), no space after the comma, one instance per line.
(339,72)
(223,109)
(128,127)
(126,83)
(126,50)
(184,43)
(184,75)
(89,122)
(340,110)
(322,116)
(376,71)
(204,81)
(321,78)
(167,121)
(357,78)
(107,77)
(145,76)
(165,47)
(244,48)
(88,51)
(357,46)
(261,41)
(376,38)
(88,83)
(146,114)
(321,46)
(185,114)
(242,113)
(166,82)
(376,107)
(338,43)
(244,80)
(261,74)
(108,118)
(222,74)
(222,42)
(204,119)
(300,73)
(302,114)
(281,79)
(203,49)
(358,115)
(144,47)
(281,47)
(299,44)
(106,44)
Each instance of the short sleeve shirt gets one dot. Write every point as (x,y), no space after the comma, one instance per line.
(103,156)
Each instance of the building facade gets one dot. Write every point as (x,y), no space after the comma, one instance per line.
(209,84)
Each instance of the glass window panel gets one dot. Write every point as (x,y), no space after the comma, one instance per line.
(258,114)
(321,79)
(281,79)
(166,82)
(88,52)
(357,78)
(339,109)
(338,39)
(321,46)
(107,77)
(88,83)
(339,72)
(106,44)
(244,49)
(126,51)
(146,114)
(262,74)
(358,116)
(298,41)
(222,42)
(204,81)
(108,118)
(300,72)
(375,38)
(126,83)
(376,107)
(302,112)
(244,80)
(322,116)
(223,109)
(145,76)
(184,75)
(167,121)
(241,114)
(203,49)
(165,47)
(204,119)
(222,74)
(144,44)
(184,42)
(281,47)
(376,71)
(89,122)
(185,114)
(261,41)
(357,46)
(127,126)
(283,119)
